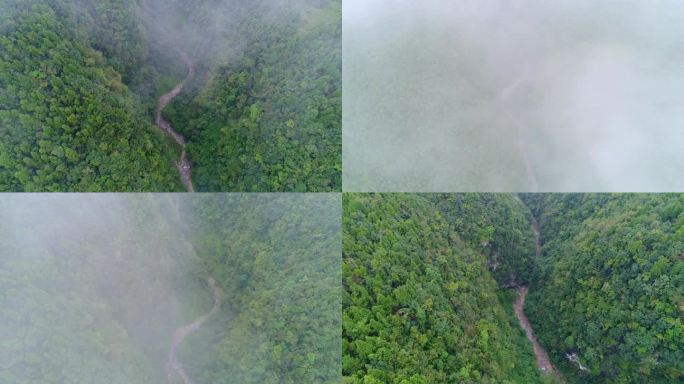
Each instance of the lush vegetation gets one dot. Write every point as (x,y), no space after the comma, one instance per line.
(79,82)
(269,118)
(610,286)
(92,288)
(67,122)
(278,259)
(497,226)
(420,304)
(424,280)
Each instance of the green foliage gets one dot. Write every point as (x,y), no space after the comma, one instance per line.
(497,226)
(79,82)
(67,122)
(419,303)
(269,119)
(612,277)
(93,288)
(278,259)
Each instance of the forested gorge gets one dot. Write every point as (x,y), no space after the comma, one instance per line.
(270,118)
(612,275)
(93,288)
(426,280)
(79,82)
(420,305)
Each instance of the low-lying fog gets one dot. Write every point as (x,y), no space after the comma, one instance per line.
(502,95)
(96,288)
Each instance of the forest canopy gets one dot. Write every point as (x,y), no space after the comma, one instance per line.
(419,304)
(80,80)
(425,280)
(612,275)
(67,122)
(93,288)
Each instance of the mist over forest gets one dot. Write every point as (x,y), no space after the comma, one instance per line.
(513,95)
(258,106)
(100,288)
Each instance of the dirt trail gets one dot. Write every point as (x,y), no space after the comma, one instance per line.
(174,368)
(543,360)
(184,166)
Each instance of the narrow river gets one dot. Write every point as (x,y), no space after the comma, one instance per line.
(543,361)
(183,164)
(174,368)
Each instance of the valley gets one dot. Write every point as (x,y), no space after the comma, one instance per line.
(530,288)
(170,96)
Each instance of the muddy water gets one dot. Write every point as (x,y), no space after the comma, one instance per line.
(543,360)
(174,368)
(542,357)
(183,164)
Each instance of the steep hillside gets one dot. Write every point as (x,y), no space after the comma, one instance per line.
(610,287)
(277,258)
(80,81)
(420,304)
(268,116)
(497,226)
(67,122)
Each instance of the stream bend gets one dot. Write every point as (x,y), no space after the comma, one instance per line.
(174,368)
(183,164)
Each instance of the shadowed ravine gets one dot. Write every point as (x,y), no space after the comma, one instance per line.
(174,368)
(184,166)
(542,357)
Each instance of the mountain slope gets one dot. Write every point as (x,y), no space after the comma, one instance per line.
(419,303)
(268,117)
(611,279)
(67,122)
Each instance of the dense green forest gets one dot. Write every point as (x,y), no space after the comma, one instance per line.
(425,280)
(612,276)
(92,288)
(67,122)
(270,117)
(420,305)
(80,79)
(496,226)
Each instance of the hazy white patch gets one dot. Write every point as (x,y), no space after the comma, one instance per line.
(513,96)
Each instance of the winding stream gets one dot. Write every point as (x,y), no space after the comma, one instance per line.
(174,368)
(183,164)
(543,361)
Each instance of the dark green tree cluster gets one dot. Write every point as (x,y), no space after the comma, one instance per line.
(420,304)
(67,121)
(610,286)
(111,27)
(497,226)
(270,117)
